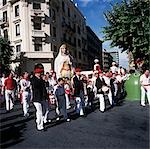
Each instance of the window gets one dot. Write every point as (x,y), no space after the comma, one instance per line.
(4,2)
(79,55)
(36,6)
(63,22)
(70,40)
(63,6)
(79,43)
(16,10)
(55,48)
(64,37)
(50,29)
(18,48)
(53,15)
(75,41)
(54,31)
(74,27)
(5,16)
(75,53)
(68,12)
(63,19)
(5,33)
(37,23)
(79,32)
(38,44)
(17,29)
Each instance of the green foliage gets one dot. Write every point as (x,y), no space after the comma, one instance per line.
(129,27)
(6,52)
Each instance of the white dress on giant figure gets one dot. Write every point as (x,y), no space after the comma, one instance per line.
(63,63)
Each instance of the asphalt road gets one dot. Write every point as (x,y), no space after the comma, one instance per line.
(121,127)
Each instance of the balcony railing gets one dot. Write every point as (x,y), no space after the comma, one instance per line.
(39,54)
(38,33)
(4,22)
(37,12)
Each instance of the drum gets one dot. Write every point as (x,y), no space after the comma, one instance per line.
(52,100)
(105,89)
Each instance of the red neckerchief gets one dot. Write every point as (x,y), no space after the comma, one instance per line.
(26,79)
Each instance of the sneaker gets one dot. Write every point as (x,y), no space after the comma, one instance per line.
(143,105)
(101,111)
(57,119)
(40,128)
(68,107)
(26,115)
(68,120)
(49,121)
(45,121)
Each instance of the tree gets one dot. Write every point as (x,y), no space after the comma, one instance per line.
(129,28)
(6,52)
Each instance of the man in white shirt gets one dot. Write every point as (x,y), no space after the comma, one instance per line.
(26,92)
(114,68)
(145,87)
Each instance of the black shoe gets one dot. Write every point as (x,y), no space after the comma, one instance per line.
(7,111)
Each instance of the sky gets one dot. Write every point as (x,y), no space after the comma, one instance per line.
(93,10)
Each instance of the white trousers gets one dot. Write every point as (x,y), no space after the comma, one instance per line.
(9,96)
(143,92)
(86,100)
(116,89)
(102,100)
(79,107)
(67,101)
(39,115)
(25,102)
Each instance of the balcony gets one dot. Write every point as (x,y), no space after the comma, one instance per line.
(37,12)
(38,33)
(39,54)
(4,23)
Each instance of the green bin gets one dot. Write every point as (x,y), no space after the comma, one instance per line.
(132,86)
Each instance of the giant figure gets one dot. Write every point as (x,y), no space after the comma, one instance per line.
(63,64)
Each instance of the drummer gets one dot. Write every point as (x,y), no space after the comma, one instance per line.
(99,93)
(108,86)
(102,89)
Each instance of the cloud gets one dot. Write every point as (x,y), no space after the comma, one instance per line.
(86,2)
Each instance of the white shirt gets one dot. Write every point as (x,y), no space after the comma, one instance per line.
(3,80)
(119,78)
(107,80)
(121,71)
(52,82)
(25,85)
(144,80)
(114,69)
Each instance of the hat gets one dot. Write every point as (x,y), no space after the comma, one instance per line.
(113,63)
(96,60)
(78,70)
(96,71)
(38,70)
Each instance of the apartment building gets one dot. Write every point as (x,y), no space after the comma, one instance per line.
(94,45)
(107,60)
(36,29)
(74,32)
(115,55)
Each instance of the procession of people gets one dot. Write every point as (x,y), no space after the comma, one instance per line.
(64,84)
